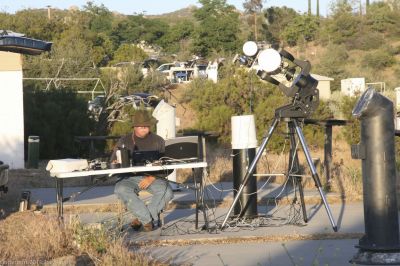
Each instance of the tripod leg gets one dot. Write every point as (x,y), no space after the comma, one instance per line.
(314,173)
(294,167)
(302,202)
(251,168)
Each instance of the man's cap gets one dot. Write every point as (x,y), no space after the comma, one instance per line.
(143,118)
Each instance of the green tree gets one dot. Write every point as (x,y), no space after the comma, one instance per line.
(218,27)
(56,116)
(382,18)
(277,18)
(177,36)
(303,27)
(129,53)
(253,7)
(344,24)
(137,28)
(35,24)
(100,17)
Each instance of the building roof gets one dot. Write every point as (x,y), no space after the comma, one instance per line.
(321,78)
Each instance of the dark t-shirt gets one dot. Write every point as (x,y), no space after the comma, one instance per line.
(152,142)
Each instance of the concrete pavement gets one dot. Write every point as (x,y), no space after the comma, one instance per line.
(277,237)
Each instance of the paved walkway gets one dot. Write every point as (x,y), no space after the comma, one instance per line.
(277,237)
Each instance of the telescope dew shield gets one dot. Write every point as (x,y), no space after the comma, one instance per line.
(244,143)
(377,152)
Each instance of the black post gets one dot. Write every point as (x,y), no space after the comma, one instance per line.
(247,204)
(328,153)
(244,143)
(380,244)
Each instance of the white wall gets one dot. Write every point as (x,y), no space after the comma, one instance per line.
(11,119)
(352,86)
(324,87)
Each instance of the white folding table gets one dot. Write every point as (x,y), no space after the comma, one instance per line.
(198,188)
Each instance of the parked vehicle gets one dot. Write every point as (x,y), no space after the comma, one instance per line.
(145,66)
(96,105)
(138,100)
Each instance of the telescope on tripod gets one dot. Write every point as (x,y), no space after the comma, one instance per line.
(292,77)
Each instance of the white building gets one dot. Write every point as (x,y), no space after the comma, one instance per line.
(324,86)
(11,110)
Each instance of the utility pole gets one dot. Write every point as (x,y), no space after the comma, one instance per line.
(255,26)
(49,12)
(317,8)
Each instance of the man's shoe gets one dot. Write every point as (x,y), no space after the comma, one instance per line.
(148,227)
(136,224)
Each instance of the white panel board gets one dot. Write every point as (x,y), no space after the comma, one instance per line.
(353,86)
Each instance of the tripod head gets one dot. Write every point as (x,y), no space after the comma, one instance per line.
(291,75)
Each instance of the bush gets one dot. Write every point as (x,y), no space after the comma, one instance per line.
(365,40)
(56,116)
(378,59)
(331,64)
(314,134)
(351,132)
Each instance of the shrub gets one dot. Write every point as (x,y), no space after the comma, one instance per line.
(365,40)
(332,64)
(378,59)
(56,116)
(351,132)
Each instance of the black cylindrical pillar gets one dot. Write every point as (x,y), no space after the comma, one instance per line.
(247,204)
(377,152)
(244,143)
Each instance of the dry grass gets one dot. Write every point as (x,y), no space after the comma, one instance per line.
(26,236)
(345,172)
(36,239)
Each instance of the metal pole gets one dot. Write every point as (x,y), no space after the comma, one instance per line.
(251,168)
(247,205)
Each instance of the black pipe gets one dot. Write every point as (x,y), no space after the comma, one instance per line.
(377,152)
(247,205)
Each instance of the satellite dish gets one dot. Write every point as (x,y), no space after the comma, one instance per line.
(269,60)
(250,48)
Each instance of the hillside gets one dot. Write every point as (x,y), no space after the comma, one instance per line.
(176,16)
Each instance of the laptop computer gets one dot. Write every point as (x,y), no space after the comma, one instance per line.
(144,157)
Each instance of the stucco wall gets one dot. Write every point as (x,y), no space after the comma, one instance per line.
(11,110)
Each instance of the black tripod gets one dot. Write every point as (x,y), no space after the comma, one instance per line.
(293,124)
(294,169)
(305,99)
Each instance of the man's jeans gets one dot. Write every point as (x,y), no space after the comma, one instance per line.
(128,191)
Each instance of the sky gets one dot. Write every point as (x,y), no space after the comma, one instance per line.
(153,7)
